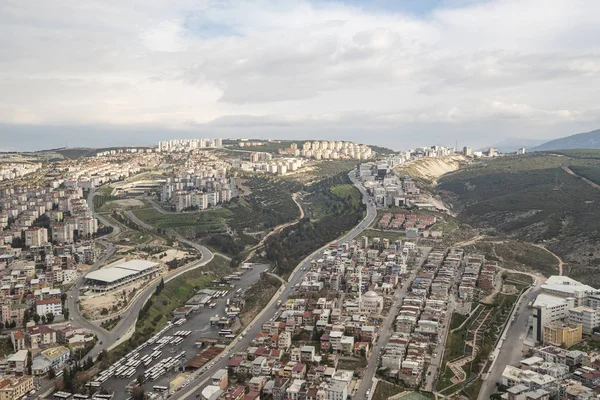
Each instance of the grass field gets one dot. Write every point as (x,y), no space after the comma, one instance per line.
(384,389)
(517,255)
(209,220)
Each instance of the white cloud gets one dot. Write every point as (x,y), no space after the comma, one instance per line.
(298,64)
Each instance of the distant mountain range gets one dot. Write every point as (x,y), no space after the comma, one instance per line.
(511,145)
(587,140)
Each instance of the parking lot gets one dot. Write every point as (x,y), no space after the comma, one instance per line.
(198,322)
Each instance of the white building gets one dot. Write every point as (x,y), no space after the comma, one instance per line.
(548,309)
(336,390)
(371,303)
(588,317)
(36,236)
(47,306)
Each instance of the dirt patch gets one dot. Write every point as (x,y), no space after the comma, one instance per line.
(129,203)
(170,255)
(104,305)
(509,289)
(432,168)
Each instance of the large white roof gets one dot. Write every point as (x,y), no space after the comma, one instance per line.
(120,271)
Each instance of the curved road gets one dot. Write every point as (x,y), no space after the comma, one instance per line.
(256,326)
(109,339)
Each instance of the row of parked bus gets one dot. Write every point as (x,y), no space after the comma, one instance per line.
(127,365)
(162,366)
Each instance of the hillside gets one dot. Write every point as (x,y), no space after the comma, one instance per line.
(587,140)
(538,198)
(510,145)
(430,169)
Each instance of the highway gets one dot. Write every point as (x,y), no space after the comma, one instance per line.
(268,312)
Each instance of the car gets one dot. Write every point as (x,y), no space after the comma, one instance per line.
(368,391)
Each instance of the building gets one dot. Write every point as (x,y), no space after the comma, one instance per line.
(13,388)
(371,303)
(120,274)
(588,317)
(56,356)
(41,335)
(44,307)
(561,334)
(17,362)
(36,237)
(336,390)
(548,309)
(565,287)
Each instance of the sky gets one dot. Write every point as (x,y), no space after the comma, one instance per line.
(399,74)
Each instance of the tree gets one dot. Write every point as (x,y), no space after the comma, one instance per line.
(140,379)
(1,325)
(50,317)
(66,313)
(13,324)
(29,362)
(138,393)
(26,317)
(43,319)
(51,374)
(36,318)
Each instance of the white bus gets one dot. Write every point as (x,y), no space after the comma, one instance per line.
(160,389)
(224,332)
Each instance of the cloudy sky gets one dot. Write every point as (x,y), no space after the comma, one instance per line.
(398,73)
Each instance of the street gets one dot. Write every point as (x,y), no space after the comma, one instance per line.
(267,313)
(386,330)
(510,351)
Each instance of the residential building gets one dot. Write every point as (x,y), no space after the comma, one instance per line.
(562,334)
(44,307)
(588,317)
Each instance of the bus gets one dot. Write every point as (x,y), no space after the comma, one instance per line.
(160,389)
(224,332)
(80,396)
(230,336)
(212,305)
(104,396)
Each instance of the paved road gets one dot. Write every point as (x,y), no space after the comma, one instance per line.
(109,339)
(256,326)
(510,351)
(386,330)
(435,363)
(199,323)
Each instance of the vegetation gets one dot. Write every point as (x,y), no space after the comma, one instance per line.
(211,220)
(269,204)
(384,389)
(517,255)
(534,199)
(157,311)
(334,207)
(258,296)
(111,324)
(457,320)
(101,199)
(576,153)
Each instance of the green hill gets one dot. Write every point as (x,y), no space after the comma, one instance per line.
(537,198)
(587,140)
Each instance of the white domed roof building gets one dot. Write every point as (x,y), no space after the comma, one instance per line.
(371,303)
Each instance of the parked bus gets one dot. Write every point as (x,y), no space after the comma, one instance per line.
(160,389)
